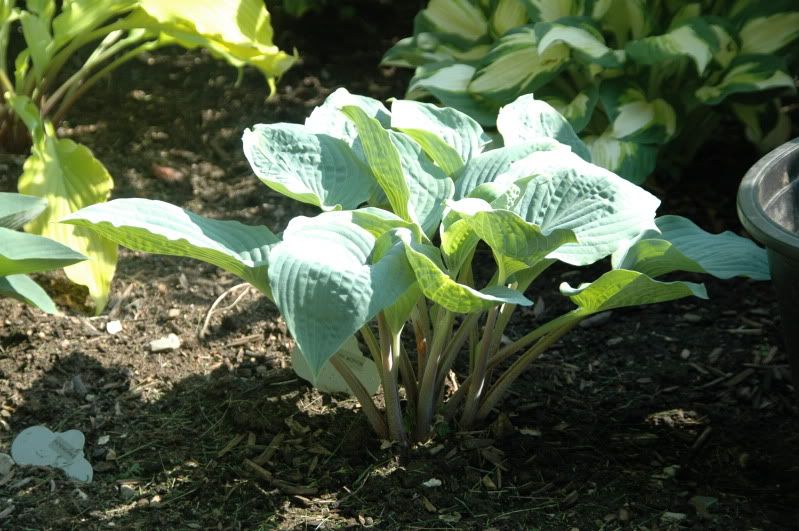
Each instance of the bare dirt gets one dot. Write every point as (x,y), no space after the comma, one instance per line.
(676,416)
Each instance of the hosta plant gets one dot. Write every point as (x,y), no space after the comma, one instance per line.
(408,195)
(22,253)
(631,76)
(63,49)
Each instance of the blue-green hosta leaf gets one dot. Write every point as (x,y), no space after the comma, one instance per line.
(161,228)
(528,119)
(448,136)
(631,160)
(439,287)
(578,111)
(694,38)
(767,126)
(508,235)
(22,288)
(22,253)
(559,190)
(329,380)
(309,167)
(454,17)
(621,288)
(448,82)
(682,246)
(767,27)
(748,73)
(328,118)
(17,209)
(583,39)
(486,167)
(326,286)
(634,117)
(515,66)
(507,15)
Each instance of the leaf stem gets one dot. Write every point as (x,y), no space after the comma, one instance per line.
(373,415)
(427,392)
(478,383)
(390,352)
(509,350)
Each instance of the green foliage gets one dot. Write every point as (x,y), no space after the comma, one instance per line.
(22,253)
(407,195)
(631,76)
(38,92)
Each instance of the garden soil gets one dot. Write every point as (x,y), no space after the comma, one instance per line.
(674,416)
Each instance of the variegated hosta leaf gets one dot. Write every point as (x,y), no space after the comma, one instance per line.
(578,111)
(562,191)
(679,245)
(583,39)
(454,17)
(507,15)
(310,167)
(17,209)
(767,126)
(238,31)
(528,119)
(635,118)
(486,167)
(425,47)
(631,160)
(448,82)
(508,235)
(328,118)
(415,187)
(448,136)
(550,10)
(22,253)
(515,66)
(693,38)
(161,228)
(22,288)
(326,286)
(625,19)
(767,27)
(439,287)
(748,73)
(621,288)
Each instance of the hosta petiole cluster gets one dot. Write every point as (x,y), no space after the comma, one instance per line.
(407,195)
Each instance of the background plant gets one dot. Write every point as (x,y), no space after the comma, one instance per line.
(38,91)
(407,195)
(631,76)
(22,253)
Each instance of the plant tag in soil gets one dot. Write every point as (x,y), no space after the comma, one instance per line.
(39,446)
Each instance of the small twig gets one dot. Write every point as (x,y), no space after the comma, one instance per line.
(204,330)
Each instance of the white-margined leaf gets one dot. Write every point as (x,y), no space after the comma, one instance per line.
(507,15)
(578,111)
(425,47)
(528,119)
(559,190)
(767,125)
(313,168)
(693,38)
(583,39)
(326,286)
(514,66)
(454,17)
(767,27)
(621,288)
(679,245)
(749,73)
(625,19)
(631,160)
(550,10)
(635,118)
(161,228)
